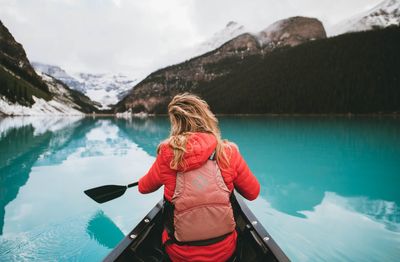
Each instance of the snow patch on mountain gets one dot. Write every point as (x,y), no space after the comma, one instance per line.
(62,103)
(40,107)
(385,14)
(265,36)
(106,89)
(58,73)
(231,30)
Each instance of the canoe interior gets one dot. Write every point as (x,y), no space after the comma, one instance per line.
(143,243)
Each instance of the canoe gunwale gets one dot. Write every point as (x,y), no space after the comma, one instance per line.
(133,236)
(260,234)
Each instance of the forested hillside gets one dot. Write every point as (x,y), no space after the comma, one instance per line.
(24,92)
(357,73)
(351,73)
(18,80)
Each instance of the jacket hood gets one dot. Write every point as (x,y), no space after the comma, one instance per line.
(199,148)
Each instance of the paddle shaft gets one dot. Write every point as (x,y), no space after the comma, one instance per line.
(132,185)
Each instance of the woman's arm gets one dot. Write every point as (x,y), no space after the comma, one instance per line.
(151,181)
(245,182)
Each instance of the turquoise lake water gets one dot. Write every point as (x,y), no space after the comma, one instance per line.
(330,187)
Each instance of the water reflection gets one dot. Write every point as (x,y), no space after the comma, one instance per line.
(329,185)
(297,160)
(146,133)
(334,230)
(48,206)
(22,142)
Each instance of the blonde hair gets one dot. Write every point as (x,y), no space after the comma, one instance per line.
(188,113)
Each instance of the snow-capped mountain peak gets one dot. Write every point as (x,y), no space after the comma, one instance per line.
(60,74)
(291,31)
(385,14)
(107,89)
(52,70)
(231,30)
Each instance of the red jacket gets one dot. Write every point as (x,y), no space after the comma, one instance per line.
(238,175)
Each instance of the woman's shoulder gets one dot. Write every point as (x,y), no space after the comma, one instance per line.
(229,145)
(231,149)
(164,149)
(164,143)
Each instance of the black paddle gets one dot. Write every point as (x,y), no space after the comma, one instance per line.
(103,194)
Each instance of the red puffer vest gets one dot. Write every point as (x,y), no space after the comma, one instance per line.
(238,175)
(202,211)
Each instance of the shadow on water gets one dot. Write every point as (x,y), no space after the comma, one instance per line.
(102,229)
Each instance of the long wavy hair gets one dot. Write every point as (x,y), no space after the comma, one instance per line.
(188,113)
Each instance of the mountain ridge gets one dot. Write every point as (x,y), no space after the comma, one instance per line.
(386,13)
(325,76)
(105,89)
(160,85)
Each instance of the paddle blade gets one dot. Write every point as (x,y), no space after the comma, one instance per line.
(105,193)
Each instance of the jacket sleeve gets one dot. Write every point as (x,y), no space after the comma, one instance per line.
(151,181)
(245,182)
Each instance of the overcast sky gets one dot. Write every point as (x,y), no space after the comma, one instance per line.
(136,37)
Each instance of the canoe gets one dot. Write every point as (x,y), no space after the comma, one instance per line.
(143,243)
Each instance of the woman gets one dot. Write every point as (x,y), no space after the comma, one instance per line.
(201,226)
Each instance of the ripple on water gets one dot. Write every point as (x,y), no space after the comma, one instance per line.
(65,241)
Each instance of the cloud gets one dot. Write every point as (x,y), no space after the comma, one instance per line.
(258,14)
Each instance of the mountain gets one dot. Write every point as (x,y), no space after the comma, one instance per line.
(106,89)
(354,73)
(154,92)
(13,61)
(231,30)
(60,74)
(291,32)
(24,92)
(385,14)
(351,73)
(70,97)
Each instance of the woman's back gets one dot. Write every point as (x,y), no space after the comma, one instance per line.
(195,136)
(237,175)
